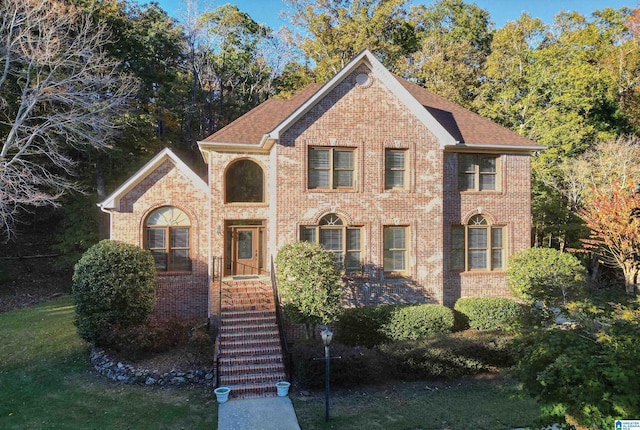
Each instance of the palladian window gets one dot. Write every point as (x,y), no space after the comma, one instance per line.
(345,242)
(167,236)
(478,246)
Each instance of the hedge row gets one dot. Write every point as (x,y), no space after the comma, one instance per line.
(487,313)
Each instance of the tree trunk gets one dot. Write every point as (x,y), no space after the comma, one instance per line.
(630,277)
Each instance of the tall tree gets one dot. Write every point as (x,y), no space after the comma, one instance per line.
(60,92)
(335,31)
(614,220)
(454,40)
(231,64)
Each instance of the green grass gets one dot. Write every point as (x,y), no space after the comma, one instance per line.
(45,382)
(478,405)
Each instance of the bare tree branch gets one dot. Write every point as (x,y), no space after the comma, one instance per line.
(59,91)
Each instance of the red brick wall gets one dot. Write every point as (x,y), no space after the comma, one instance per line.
(510,207)
(182,295)
(370,119)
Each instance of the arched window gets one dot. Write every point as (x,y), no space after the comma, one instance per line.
(244,182)
(335,236)
(167,236)
(478,245)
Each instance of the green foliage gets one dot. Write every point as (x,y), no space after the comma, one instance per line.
(415,322)
(4,276)
(143,340)
(309,282)
(545,275)
(450,355)
(364,326)
(598,353)
(488,313)
(356,366)
(113,288)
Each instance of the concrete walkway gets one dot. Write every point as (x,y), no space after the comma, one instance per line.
(271,413)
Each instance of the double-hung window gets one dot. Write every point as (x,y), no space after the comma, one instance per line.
(395,169)
(478,246)
(478,172)
(331,168)
(336,237)
(395,249)
(167,234)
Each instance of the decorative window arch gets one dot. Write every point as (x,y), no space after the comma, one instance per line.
(478,245)
(168,237)
(244,182)
(345,242)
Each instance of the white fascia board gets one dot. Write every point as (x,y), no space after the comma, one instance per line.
(113,200)
(233,147)
(464,147)
(319,95)
(387,79)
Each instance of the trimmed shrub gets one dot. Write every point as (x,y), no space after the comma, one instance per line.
(545,275)
(488,313)
(356,366)
(364,326)
(114,287)
(414,322)
(450,355)
(309,283)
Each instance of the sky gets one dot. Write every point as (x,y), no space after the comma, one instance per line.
(269,12)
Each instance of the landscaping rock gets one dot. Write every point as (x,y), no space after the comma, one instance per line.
(128,374)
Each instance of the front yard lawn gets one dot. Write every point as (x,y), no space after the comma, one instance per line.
(466,404)
(45,382)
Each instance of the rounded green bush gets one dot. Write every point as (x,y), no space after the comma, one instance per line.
(415,322)
(363,326)
(114,287)
(309,282)
(545,275)
(488,313)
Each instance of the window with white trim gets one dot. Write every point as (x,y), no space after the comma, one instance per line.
(331,168)
(345,242)
(167,236)
(478,246)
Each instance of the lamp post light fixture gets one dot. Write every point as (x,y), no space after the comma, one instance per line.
(327,335)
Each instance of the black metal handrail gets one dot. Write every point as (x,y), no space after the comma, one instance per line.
(220,267)
(280,321)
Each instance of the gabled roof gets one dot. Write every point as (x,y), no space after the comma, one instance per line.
(452,124)
(113,201)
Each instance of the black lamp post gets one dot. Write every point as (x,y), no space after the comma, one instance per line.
(327,335)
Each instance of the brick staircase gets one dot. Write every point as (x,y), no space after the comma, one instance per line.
(250,354)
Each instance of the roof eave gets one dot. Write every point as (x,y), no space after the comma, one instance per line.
(113,200)
(495,147)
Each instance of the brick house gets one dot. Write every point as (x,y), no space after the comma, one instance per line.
(419,199)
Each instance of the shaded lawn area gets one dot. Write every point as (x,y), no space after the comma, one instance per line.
(45,382)
(478,404)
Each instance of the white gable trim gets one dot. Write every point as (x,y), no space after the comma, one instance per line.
(113,201)
(387,79)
